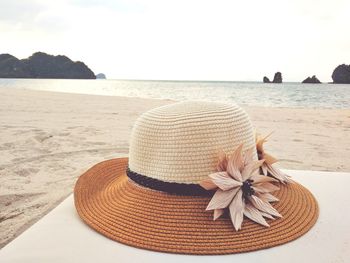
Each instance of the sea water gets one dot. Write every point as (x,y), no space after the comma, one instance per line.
(244,93)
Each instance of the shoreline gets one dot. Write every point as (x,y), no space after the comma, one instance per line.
(184,80)
(285,95)
(49,138)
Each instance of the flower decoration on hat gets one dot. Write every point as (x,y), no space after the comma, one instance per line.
(267,167)
(241,189)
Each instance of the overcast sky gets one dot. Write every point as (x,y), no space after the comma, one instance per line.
(185,40)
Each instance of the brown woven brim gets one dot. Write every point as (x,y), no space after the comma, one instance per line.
(116,207)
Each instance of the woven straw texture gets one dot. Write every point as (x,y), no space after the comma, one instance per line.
(181,142)
(123,211)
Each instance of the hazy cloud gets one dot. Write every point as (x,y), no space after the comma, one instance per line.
(31,15)
(20,11)
(183,39)
(116,5)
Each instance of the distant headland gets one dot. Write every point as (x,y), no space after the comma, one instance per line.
(42,65)
(45,66)
(341,74)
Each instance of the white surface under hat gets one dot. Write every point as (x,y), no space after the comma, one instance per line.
(62,237)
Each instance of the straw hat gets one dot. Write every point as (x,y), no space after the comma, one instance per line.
(185,159)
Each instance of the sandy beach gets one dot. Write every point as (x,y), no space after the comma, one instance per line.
(48,139)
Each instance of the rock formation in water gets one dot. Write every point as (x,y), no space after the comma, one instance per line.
(341,74)
(277,78)
(100,76)
(266,80)
(42,65)
(313,79)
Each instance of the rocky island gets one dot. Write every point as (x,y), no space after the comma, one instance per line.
(341,74)
(276,79)
(100,76)
(42,65)
(266,80)
(313,80)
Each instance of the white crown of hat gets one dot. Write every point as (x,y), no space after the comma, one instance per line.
(182,142)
